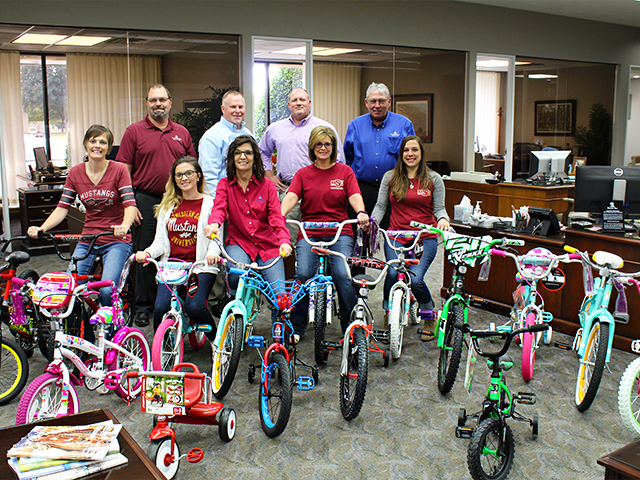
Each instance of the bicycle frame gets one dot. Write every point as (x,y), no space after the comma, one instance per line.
(595,307)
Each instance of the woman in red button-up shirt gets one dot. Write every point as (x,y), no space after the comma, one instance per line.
(257,229)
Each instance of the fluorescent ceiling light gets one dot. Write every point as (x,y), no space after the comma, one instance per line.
(296,50)
(492,63)
(81,41)
(35,39)
(334,51)
(529,63)
(542,76)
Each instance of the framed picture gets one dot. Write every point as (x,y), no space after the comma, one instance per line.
(191,105)
(578,162)
(555,117)
(418,109)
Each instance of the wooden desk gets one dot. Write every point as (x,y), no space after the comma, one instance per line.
(623,464)
(139,467)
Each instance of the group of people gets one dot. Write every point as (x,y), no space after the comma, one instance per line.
(173,202)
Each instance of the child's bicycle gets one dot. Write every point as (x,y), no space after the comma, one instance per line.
(236,324)
(462,252)
(184,397)
(491,450)
(629,390)
(53,393)
(594,339)
(537,265)
(168,345)
(14,369)
(403,307)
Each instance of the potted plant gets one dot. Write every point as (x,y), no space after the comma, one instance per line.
(595,140)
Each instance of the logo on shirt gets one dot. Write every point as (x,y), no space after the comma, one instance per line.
(260,199)
(423,192)
(337,184)
(394,134)
(176,138)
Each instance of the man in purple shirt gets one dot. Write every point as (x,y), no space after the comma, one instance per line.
(148,149)
(290,137)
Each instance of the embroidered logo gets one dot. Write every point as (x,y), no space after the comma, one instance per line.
(260,199)
(394,134)
(337,184)
(423,192)
(176,138)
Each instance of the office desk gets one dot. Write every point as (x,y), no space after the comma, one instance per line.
(140,467)
(623,464)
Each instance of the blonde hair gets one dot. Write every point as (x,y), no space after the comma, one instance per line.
(172,193)
(318,134)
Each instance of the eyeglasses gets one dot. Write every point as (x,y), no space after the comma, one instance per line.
(246,153)
(377,101)
(327,145)
(188,174)
(161,100)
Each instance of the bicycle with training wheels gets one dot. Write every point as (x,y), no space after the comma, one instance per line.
(594,339)
(491,450)
(462,252)
(236,323)
(180,396)
(538,265)
(168,344)
(323,304)
(53,393)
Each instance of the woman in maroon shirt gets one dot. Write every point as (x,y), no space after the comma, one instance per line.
(257,231)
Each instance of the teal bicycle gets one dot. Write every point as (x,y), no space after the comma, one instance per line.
(462,252)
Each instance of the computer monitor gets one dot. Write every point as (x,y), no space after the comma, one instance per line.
(543,222)
(42,159)
(597,186)
(548,161)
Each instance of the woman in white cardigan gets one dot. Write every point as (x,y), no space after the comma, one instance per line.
(182,215)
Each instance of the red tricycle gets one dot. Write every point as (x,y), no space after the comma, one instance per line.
(181,397)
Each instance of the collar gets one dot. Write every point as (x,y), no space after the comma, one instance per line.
(302,122)
(151,125)
(253,180)
(382,124)
(232,126)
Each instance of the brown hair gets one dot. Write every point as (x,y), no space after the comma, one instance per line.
(95,131)
(318,134)
(258,167)
(399,183)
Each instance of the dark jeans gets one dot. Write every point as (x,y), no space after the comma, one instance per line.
(196,307)
(143,236)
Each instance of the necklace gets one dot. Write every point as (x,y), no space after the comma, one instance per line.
(411,183)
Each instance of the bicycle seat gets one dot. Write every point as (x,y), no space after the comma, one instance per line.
(102,315)
(605,258)
(17,258)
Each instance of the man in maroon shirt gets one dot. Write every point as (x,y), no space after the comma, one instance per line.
(149,148)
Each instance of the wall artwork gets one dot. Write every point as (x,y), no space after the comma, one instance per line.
(418,109)
(555,117)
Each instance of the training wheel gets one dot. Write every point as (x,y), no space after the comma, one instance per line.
(251,374)
(195,455)
(385,357)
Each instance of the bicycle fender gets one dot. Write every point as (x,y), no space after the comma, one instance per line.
(345,348)
(603,316)
(236,307)
(117,338)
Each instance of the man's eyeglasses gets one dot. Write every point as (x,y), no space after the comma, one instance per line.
(246,153)
(188,174)
(327,145)
(161,100)
(377,101)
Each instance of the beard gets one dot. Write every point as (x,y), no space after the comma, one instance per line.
(158,113)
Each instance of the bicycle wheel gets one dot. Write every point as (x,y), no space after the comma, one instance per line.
(319,326)
(275,400)
(629,397)
(528,349)
(42,399)
(592,366)
(491,450)
(196,338)
(167,348)
(451,351)
(227,357)
(14,372)
(396,329)
(136,344)
(353,386)
(160,453)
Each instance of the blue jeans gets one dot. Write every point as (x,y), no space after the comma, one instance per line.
(307,268)
(196,306)
(113,254)
(270,274)
(418,285)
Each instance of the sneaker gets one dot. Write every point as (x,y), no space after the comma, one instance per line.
(142,319)
(295,339)
(429,318)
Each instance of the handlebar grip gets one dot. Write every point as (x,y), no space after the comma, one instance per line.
(133,374)
(538,327)
(501,253)
(570,249)
(18,281)
(574,256)
(99,284)
(322,251)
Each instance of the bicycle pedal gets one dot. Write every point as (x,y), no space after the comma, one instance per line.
(380,333)
(257,341)
(526,398)
(112,380)
(427,333)
(305,383)
(331,345)
(477,301)
(563,346)
(464,432)
(203,328)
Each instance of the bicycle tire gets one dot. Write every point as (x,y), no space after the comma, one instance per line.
(134,342)
(319,326)
(451,352)
(396,331)
(592,368)
(158,452)
(42,399)
(353,386)
(528,349)
(227,358)
(490,454)
(629,397)
(275,403)
(14,372)
(167,347)
(197,338)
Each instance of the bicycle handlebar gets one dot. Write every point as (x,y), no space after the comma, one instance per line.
(244,266)
(7,242)
(312,225)
(345,259)
(603,262)
(531,259)
(73,237)
(507,336)
(395,234)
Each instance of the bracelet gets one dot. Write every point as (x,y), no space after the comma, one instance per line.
(362,211)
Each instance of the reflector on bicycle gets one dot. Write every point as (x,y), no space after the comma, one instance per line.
(53,290)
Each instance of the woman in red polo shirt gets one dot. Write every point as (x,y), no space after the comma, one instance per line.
(257,230)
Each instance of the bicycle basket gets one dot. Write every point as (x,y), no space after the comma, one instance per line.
(53,290)
(282,294)
(465,250)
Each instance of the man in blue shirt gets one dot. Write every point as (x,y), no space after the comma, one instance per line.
(372,142)
(213,146)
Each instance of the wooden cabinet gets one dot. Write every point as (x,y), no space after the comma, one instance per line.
(35,206)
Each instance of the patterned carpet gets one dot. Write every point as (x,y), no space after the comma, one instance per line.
(406,427)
